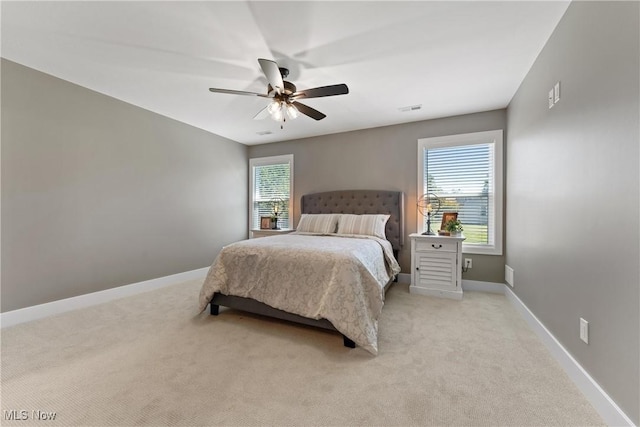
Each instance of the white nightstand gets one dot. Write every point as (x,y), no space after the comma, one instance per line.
(269,232)
(436,267)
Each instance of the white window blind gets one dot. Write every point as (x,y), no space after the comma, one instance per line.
(465,172)
(271,186)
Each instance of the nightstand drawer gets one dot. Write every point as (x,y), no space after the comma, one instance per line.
(422,245)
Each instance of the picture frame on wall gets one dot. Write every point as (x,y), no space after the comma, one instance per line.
(446,217)
(265,222)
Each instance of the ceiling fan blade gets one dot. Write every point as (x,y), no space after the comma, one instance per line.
(262,114)
(308,111)
(238,92)
(318,92)
(272,72)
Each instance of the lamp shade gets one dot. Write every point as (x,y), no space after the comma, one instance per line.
(428,204)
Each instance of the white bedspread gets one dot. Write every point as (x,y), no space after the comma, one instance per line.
(338,278)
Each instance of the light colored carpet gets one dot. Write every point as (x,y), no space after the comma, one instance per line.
(151,360)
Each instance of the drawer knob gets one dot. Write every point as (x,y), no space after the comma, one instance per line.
(436,247)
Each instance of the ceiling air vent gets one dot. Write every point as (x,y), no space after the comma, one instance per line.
(410,108)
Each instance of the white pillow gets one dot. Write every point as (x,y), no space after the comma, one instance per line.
(318,223)
(371,225)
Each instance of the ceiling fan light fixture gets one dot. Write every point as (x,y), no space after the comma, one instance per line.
(279,109)
(277,116)
(274,107)
(275,110)
(292,111)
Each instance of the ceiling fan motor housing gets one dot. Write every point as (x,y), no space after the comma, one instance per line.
(284,72)
(289,88)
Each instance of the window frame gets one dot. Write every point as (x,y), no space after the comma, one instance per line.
(494,137)
(266,161)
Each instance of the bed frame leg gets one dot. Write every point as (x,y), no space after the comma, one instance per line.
(348,342)
(214,309)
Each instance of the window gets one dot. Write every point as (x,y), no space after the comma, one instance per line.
(465,172)
(271,183)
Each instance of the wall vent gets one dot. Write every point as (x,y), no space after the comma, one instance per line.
(410,108)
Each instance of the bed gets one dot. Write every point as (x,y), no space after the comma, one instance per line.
(335,282)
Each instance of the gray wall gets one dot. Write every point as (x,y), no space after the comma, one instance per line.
(573,192)
(381,158)
(97,193)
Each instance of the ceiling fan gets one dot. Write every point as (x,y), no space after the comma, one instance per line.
(285,96)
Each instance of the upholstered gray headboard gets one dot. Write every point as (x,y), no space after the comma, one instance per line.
(362,202)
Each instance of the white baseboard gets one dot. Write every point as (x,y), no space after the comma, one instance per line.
(35,312)
(603,404)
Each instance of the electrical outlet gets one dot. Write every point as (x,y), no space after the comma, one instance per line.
(556,93)
(584,330)
(551,97)
(468,263)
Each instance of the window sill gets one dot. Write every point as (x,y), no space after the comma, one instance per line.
(481,250)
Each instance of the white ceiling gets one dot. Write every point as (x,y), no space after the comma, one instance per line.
(451,57)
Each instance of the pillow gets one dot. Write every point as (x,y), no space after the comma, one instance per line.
(371,225)
(318,223)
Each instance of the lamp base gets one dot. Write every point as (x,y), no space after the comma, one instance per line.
(428,232)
